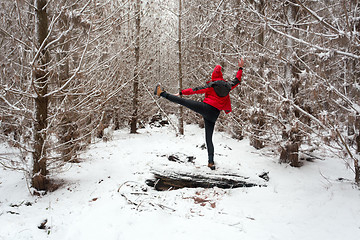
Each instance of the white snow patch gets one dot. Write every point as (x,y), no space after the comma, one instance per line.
(105,196)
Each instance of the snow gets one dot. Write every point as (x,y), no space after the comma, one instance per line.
(105,196)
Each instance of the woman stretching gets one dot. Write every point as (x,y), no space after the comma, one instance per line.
(216,99)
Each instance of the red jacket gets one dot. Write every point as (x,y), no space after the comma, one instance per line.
(211,98)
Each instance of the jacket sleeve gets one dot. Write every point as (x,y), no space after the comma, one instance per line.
(237,79)
(197,90)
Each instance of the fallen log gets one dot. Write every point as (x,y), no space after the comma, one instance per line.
(168,179)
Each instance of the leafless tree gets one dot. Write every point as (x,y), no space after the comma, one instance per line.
(70,71)
(59,87)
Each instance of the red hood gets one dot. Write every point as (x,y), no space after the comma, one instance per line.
(217,74)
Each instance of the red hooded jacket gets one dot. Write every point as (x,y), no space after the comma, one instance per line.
(211,98)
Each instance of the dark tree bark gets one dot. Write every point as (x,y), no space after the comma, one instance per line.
(258,117)
(68,130)
(290,153)
(40,85)
(258,122)
(181,109)
(357,138)
(135,103)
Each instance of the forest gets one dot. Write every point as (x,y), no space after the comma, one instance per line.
(73,71)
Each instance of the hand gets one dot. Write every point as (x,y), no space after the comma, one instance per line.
(241,62)
(177,94)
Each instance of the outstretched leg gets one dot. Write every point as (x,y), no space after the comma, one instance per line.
(207,111)
(191,104)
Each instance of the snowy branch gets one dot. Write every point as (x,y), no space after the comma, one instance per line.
(14,38)
(320,19)
(42,46)
(313,45)
(76,70)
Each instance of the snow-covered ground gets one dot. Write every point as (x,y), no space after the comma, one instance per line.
(105,196)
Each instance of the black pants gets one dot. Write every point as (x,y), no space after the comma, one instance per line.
(209,113)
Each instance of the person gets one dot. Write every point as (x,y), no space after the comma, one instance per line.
(216,99)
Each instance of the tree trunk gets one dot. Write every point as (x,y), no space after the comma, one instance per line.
(258,117)
(68,130)
(290,153)
(40,75)
(260,6)
(135,103)
(357,171)
(258,122)
(181,110)
(356,158)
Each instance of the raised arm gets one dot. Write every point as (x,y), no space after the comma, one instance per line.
(237,79)
(197,90)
